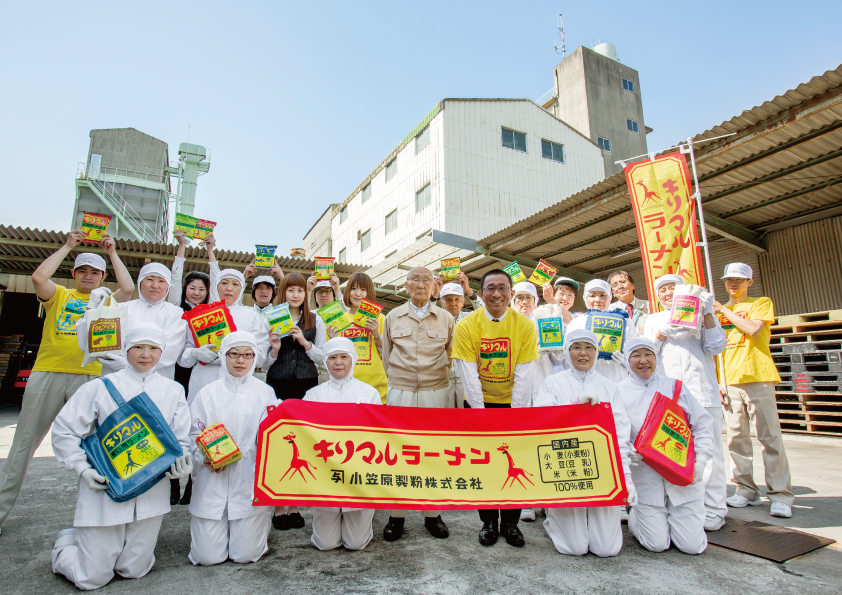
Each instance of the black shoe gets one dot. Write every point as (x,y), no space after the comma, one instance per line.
(280,522)
(296,521)
(188,492)
(513,535)
(394,529)
(436,527)
(488,534)
(175,492)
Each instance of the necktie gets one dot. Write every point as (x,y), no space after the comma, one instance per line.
(495,320)
(630,310)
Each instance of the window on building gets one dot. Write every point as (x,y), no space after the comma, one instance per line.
(391,222)
(422,198)
(343,214)
(391,254)
(554,151)
(604,143)
(628,85)
(632,126)
(365,240)
(343,254)
(366,193)
(313,244)
(422,140)
(391,169)
(425,234)
(514,140)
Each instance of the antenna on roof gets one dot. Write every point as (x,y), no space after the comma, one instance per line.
(561,32)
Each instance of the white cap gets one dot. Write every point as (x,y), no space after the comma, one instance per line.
(633,345)
(525,287)
(567,281)
(452,289)
(664,279)
(263,279)
(738,269)
(580,336)
(598,285)
(145,333)
(92,260)
(323,283)
(154,269)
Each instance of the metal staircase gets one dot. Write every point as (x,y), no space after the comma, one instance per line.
(107,192)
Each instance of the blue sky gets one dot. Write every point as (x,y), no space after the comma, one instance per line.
(300,101)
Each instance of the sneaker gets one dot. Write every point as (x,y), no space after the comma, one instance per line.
(740,501)
(713,522)
(527,514)
(64,538)
(781,509)
(624,514)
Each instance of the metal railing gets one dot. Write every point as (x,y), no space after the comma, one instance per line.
(124,210)
(83,173)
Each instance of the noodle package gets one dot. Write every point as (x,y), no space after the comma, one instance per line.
(687,308)
(450,268)
(192,227)
(543,273)
(203,229)
(610,330)
(264,256)
(324,268)
(209,323)
(106,331)
(279,318)
(95,225)
(334,315)
(218,446)
(368,310)
(514,272)
(550,326)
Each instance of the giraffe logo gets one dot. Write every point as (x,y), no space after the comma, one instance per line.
(297,462)
(131,464)
(515,473)
(647,194)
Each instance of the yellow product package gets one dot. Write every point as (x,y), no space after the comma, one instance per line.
(95,225)
(334,315)
(514,272)
(324,267)
(543,273)
(217,445)
(264,256)
(279,318)
(368,310)
(450,268)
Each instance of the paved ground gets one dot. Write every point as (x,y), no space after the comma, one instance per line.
(420,564)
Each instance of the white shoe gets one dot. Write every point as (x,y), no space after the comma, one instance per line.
(527,514)
(781,509)
(713,522)
(624,514)
(740,501)
(64,538)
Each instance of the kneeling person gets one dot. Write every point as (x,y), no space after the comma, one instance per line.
(350,527)
(111,536)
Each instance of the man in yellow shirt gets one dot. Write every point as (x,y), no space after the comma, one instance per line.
(750,377)
(494,349)
(58,370)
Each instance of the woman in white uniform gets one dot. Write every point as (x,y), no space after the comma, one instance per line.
(685,357)
(111,536)
(153,285)
(598,297)
(577,531)
(665,513)
(224,524)
(350,527)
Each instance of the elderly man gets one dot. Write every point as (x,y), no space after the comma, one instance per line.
(417,339)
(622,286)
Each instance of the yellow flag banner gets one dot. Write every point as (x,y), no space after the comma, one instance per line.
(369,456)
(665,216)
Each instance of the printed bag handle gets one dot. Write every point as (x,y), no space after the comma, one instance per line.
(115,394)
(677,391)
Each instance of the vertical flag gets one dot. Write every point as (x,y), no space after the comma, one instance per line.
(665,216)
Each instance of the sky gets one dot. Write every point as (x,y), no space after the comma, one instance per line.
(299,101)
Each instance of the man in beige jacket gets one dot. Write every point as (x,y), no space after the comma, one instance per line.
(417,339)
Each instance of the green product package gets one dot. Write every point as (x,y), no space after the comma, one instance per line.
(334,315)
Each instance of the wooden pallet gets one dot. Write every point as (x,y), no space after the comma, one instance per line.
(795,319)
(814,412)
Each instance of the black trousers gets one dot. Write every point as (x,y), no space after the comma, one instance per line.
(506,516)
(292,388)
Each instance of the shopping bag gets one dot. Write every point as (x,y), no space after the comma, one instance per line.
(550,326)
(686,311)
(106,331)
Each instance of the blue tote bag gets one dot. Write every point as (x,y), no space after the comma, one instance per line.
(133,447)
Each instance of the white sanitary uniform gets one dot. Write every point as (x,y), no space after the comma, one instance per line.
(350,527)
(113,536)
(667,513)
(691,360)
(224,524)
(613,371)
(576,531)
(245,319)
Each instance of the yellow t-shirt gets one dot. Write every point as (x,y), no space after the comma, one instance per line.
(746,358)
(497,347)
(369,368)
(59,350)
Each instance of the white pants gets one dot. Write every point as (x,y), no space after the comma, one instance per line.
(575,531)
(655,527)
(714,478)
(241,541)
(128,550)
(333,527)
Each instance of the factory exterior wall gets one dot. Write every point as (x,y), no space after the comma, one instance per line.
(572,94)
(317,241)
(488,186)
(127,148)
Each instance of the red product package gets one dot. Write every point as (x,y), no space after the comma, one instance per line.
(209,323)
(665,441)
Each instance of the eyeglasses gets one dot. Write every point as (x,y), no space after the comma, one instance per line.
(420,281)
(236,356)
(497,289)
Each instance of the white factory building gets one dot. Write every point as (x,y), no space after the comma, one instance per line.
(470,168)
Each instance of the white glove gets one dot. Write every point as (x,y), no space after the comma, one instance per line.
(635,457)
(632,498)
(94,480)
(669,330)
(589,397)
(706,300)
(618,357)
(113,360)
(205,355)
(98,296)
(181,468)
(699,469)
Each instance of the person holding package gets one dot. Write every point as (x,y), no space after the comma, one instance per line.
(501,381)
(369,340)
(577,531)
(58,372)
(349,527)
(224,524)
(683,356)
(417,340)
(464,284)
(111,537)
(665,513)
(324,291)
(264,289)
(750,377)
(597,298)
(563,292)
(622,286)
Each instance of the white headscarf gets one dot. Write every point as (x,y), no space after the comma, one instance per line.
(580,336)
(663,280)
(237,339)
(637,343)
(232,274)
(341,345)
(145,333)
(154,269)
(598,285)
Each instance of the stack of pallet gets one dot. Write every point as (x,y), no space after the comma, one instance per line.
(11,348)
(807,349)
